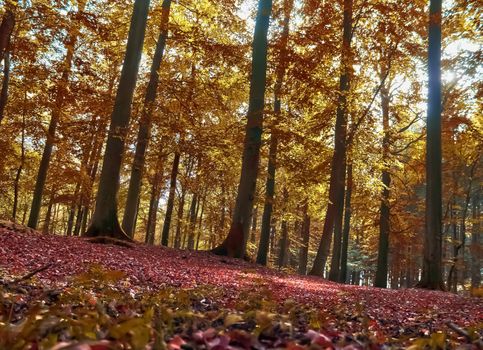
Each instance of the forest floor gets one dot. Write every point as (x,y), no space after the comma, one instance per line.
(101,296)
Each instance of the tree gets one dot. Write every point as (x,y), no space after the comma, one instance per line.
(145,126)
(6,27)
(272,155)
(338,169)
(432,277)
(105,221)
(235,243)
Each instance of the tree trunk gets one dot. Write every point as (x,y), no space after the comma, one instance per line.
(170,204)
(145,126)
(192,222)
(476,247)
(284,240)
(6,28)
(254,225)
(5,82)
(54,120)
(48,214)
(337,175)
(236,241)
(198,236)
(272,155)
(179,220)
(347,222)
(16,183)
(304,248)
(105,221)
(384,215)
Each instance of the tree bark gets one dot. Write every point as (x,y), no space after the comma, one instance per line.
(5,82)
(192,222)
(235,243)
(170,204)
(284,241)
(347,222)
(145,126)
(105,221)
(337,175)
(304,248)
(476,247)
(6,28)
(179,220)
(16,183)
(384,214)
(272,155)
(432,254)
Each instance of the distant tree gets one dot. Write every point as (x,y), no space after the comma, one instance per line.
(432,277)
(105,221)
(235,243)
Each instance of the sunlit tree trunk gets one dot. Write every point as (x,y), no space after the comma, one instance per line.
(145,126)
(5,82)
(384,209)
(57,111)
(272,153)
(347,221)
(432,257)
(337,175)
(170,204)
(235,243)
(105,221)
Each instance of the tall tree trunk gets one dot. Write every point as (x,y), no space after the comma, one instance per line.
(179,221)
(304,248)
(337,175)
(384,214)
(6,28)
(254,225)
(432,277)
(347,222)
(155,196)
(272,155)
(48,214)
(284,240)
(235,243)
(170,204)
(200,223)
(16,183)
(145,126)
(5,82)
(476,247)
(105,221)
(54,120)
(192,222)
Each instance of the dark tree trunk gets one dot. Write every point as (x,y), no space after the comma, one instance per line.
(145,126)
(6,28)
(476,247)
(284,240)
(347,222)
(337,175)
(105,221)
(272,155)
(254,225)
(304,248)
(334,273)
(200,223)
(5,82)
(54,120)
(384,215)
(170,204)
(235,243)
(192,222)
(179,220)
(48,214)
(16,183)
(432,277)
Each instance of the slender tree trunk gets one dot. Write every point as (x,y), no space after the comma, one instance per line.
(152,214)
(254,225)
(235,243)
(145,126)
(272,155)
(304,248)
(284,240)
(170,204)
(179,221)
(198,237)
(105,221)
(48,215)
(432,277)
(476,247)
(384,215)
(54,120)
(337,175)
(16,183)
(5,82)
(192,222)
(347,222)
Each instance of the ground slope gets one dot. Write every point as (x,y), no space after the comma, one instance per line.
(237,285)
